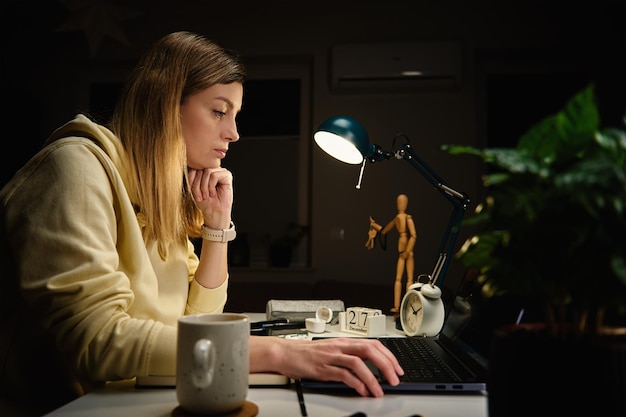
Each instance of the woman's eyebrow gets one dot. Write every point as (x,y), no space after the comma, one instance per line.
(228,102)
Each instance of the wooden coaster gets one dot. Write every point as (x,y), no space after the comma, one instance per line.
(248,409)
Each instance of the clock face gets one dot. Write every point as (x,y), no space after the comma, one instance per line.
(422,312)
(411,313)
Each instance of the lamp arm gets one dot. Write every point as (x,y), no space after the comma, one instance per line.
(375,153)
(459,200)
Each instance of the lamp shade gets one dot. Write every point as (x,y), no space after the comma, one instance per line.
(343,138)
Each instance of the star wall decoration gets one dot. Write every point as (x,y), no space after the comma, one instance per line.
(97,18)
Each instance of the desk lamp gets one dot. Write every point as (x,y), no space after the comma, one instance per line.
(346,139)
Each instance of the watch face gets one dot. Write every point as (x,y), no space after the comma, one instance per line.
(411,312)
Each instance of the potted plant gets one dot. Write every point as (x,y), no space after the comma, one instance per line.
(552,231)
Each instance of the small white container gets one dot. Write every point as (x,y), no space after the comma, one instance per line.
(323,315)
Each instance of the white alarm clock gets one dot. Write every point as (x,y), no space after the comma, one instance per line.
(421,311)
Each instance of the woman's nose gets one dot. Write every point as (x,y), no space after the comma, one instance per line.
(231,133)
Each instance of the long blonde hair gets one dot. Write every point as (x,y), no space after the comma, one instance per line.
(146,119)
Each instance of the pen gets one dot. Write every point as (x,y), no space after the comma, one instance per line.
(290,325)
(261,323)
(301,398)
(264,326)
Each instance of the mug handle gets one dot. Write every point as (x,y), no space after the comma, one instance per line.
(204,361)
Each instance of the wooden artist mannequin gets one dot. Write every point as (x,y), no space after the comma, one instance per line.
(403,222)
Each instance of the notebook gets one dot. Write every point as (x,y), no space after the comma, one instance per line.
(454,361)
(255,380)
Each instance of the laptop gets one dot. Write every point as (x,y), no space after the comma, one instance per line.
(455,361)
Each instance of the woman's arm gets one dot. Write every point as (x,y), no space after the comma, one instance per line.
(212,189)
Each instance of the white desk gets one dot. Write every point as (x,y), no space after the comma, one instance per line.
(123,399)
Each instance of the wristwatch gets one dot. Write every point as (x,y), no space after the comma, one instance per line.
(219,235)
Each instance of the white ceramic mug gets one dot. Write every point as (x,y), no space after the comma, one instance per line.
(212,362)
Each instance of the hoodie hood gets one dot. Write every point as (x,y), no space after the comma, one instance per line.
(82,126)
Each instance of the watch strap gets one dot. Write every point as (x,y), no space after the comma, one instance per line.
(218,235)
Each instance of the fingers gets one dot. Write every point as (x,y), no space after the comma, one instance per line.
(212,189)
(194,176)
(361,378)
(387,358)
(331,359)
(383,359)
(206,183)
(191,175)
(365,385)
(350,368)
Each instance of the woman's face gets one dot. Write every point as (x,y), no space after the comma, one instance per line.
(208,123)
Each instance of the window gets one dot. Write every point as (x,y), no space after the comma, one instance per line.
(270,165)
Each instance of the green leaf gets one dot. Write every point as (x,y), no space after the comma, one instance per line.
(559,136)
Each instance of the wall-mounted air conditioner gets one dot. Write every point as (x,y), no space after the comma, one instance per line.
(396,67)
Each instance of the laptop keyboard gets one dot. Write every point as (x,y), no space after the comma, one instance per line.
(418,360)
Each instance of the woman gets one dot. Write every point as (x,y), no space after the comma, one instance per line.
(96,261)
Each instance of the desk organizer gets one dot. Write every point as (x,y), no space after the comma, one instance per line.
(299,310)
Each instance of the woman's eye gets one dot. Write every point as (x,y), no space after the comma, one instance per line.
(219,114)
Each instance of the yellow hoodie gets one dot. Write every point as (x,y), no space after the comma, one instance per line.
(83,299)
